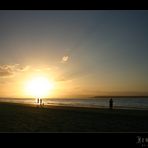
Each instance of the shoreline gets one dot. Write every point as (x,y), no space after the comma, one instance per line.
(47,105)
(78,108)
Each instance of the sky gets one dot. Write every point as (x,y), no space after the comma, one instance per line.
(83,53)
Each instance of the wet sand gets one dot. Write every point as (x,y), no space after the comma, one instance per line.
(31,118)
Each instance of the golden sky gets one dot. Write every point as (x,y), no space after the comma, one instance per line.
(80,53)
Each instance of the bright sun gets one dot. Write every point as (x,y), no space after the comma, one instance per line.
(39,87)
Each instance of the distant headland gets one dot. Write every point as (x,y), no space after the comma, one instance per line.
(120,97)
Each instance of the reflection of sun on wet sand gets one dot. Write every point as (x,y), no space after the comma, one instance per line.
(29,118)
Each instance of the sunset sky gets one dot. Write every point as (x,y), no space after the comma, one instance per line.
(81,53)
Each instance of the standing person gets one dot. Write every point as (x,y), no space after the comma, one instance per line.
(40,101)
(111,103)
(37,101)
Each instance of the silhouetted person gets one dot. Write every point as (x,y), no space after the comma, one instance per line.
(40,101)
(37,101)
(111,103)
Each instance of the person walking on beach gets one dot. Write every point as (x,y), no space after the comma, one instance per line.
(40,101)
(111,103)
(37,101)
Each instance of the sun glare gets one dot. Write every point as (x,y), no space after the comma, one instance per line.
(39,87)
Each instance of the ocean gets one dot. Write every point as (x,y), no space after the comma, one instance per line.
(130,103)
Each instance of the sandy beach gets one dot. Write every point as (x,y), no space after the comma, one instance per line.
(26,118)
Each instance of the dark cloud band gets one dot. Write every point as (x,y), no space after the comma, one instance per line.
(10,70)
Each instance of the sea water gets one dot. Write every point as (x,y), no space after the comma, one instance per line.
(133,103)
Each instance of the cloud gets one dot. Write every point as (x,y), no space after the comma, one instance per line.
(10,70)
(65,59)
(26,68)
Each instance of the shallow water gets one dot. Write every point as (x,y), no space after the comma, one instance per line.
(133,103)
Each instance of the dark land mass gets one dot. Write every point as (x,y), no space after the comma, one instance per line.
(30,118)
(120,97)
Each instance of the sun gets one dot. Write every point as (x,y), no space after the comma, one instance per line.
(39,87)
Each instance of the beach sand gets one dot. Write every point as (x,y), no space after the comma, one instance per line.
(26,118)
